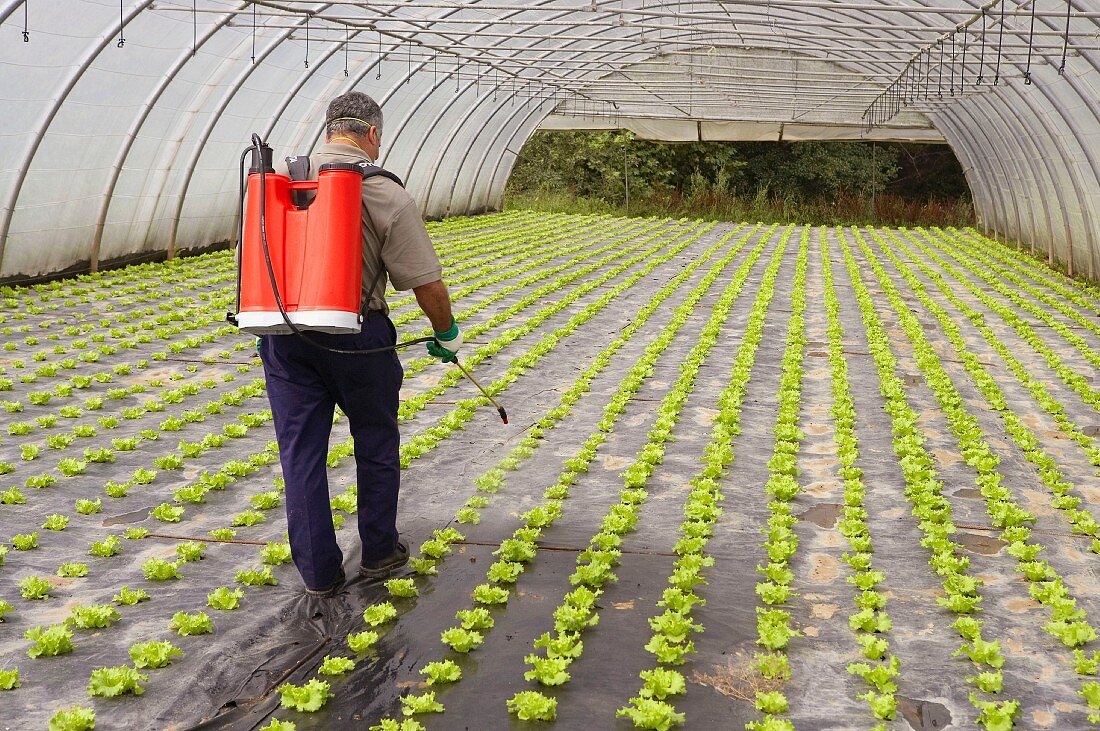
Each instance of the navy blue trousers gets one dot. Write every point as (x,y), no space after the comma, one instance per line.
(304,383)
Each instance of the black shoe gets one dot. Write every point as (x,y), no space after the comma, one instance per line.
(381,568)
(330,589)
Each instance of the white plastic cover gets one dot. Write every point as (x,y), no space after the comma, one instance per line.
(110,151)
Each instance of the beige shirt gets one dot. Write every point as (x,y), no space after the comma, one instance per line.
(393,230)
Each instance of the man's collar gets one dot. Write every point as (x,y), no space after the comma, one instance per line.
(339,148)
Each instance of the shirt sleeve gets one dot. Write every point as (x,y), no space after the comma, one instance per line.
(407,250)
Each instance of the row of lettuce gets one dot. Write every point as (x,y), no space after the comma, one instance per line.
(633,250)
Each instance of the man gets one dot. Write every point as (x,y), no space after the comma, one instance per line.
(305,382)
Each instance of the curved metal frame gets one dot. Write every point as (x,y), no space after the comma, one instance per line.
(8,211)
(135,129)
(1052,153)
(212,122)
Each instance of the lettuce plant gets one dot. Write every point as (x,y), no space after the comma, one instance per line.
(309,697)
(190,551)
(153,654)
(461,640)
(128,597)
(478,618)
(55,639)
(361,642)
(651,714)
(257,577)
(56,522)
(489,594)
(186,624)
(158,569)
(402,588)
(225,599)
(275,554)
(35,587)
(9,679)
(378,614)
(336,665)
(93,616)
(423,703)
(89,507)
(76,718)
(167,513)
(442,671)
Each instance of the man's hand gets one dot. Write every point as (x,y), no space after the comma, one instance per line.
(450,340)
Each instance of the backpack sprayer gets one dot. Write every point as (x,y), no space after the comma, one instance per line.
(300,267)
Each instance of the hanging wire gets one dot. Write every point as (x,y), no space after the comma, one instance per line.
(347,38)
(951,88)
(408,76)
(1065,39)
(26,31)
(962,68)
(378,75)
(121,23)
(496,86)
(435,70)
(1030,46)
(939,79)
(928,75)
(920,76)
(307,42)
(253,33)
(981,59)
(1000,46)
(194,27)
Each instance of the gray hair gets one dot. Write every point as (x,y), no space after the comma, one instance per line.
(347,113)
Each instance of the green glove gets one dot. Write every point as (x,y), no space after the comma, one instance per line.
(451,341)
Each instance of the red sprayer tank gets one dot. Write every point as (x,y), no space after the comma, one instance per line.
(316,253)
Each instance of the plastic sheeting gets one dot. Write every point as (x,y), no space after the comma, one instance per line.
(111,150)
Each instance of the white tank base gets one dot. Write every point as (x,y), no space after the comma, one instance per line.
(336,322)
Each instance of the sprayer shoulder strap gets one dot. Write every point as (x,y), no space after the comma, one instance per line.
(298,166)
(371,171)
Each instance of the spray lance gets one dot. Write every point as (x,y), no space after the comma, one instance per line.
(314,256)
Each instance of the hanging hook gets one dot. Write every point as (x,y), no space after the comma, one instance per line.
(378,75)
(927,73)
(1065,39)
(121,23)
(962,67)
(1030,46)
(1000,46)
(347,38)
(951,86)
(26,31)
(981,59)
(939,80)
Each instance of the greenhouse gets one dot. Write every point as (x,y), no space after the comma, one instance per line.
(685,472)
